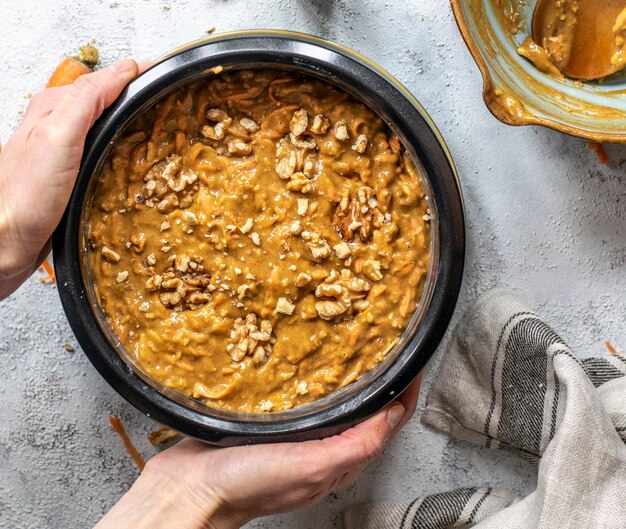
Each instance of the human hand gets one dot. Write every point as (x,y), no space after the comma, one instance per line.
(39,164)
(195,486)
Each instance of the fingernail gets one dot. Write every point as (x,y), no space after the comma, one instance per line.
(394,415)
(125,66)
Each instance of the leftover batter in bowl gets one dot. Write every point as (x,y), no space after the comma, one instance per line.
(258,240)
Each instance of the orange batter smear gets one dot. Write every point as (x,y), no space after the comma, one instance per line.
(599,148)
(128,444)
(49,270)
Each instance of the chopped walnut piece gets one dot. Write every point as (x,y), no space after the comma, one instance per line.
(303,206)
(247,226)
(339,295)
(360,145)
(168,204)
(341,131)
(296,141)
(237,146)
(170,299)
(153,283)
(320,125)
(109,255)
(295,227)
(371,269)
(249,125)
(299,182)
(250,337)
(342,250)
(320,249)
(216,114)
(121,277)
(181,262)
(151,259)
(284,306)
(266,405)
(186,177)
(301,388)
(190,218)
(256,238)
(302,280)
(356,215)
(162,435)
(299,122)
(286,159)
(165,225)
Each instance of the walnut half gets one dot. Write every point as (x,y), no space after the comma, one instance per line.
(341,295)
(357,215)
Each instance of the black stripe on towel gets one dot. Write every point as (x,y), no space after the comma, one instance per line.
(440,511)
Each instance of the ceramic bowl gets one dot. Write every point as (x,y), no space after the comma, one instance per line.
(346,407)
(517,93)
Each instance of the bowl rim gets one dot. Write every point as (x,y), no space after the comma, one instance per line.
(174,414)
(528,118)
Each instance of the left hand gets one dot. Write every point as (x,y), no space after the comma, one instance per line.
(196,486)
(40,163)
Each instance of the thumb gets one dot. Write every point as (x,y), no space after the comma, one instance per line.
(86,99)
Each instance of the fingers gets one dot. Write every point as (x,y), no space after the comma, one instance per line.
(409,400)
(84,101)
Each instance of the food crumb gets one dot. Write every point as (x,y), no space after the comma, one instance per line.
(162,435)
(610,347)
(68,347)
(284,306)
(210,29)
(89,55)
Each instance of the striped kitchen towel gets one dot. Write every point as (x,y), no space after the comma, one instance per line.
(508,381)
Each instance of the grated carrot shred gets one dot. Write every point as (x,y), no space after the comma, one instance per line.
(603,158)
(610,347)
(48,269)
(128,444)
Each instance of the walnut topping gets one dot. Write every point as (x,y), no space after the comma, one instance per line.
(286,159)
(121,277)
(360,145)
(340,295)
(299,122)
(250,337)
(303,206)
(165,225)
(216,114)
(341,131)
(318,245)
(186,177)
(342,250)
(299,182)
(151,259)
(237,146)
(190,218)
(247,226)
(218,131)
(249,125)
(109,255)
(357,214)
(296,141)
(370,268)
(284,306)
(320,125)
(168,204)
(295,227)
(256,238)
(301,388)
(181,287)
(302,280)
(266,405)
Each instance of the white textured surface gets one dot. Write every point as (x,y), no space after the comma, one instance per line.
(544,218)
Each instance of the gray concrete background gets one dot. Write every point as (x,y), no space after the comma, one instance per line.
(544,219)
